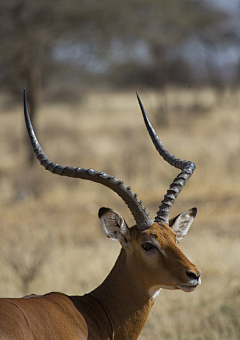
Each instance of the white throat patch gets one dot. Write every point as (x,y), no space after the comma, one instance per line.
(154,292)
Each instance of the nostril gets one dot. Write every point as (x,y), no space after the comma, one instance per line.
(192,275)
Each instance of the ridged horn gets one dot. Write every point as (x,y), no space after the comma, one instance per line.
(136,207)
(187,168)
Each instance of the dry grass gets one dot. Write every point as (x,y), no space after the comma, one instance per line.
(49,224)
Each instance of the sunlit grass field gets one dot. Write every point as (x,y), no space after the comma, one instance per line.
(51,239)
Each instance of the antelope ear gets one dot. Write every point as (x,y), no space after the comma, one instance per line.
(181,223)
(114,226)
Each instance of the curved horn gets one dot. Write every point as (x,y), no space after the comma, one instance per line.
(134,204)
(187,168)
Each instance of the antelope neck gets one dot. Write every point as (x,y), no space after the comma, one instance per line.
(126,303)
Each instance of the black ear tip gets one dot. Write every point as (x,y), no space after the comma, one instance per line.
(194,211)
(102,211)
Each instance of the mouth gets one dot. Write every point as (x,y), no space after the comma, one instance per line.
(190,286)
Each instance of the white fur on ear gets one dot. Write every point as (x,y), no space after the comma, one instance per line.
(181,223)
(114,225)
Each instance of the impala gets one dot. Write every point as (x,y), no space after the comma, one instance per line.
(148,261)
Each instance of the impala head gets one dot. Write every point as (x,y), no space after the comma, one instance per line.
(150,245)
(155,251)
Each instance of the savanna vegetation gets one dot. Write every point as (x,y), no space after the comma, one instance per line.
(51,239)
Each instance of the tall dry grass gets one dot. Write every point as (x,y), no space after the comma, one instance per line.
(51,239)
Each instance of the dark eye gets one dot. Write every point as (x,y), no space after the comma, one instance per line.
(147,246)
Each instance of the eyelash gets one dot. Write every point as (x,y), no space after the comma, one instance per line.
(147,246)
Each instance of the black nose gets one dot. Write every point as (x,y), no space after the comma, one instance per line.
(193,275)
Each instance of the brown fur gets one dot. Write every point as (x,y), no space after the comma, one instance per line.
(117,309)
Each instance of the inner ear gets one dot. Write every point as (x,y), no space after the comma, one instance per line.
(114,226)
(181,223)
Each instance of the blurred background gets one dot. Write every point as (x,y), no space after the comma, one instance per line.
(81,63)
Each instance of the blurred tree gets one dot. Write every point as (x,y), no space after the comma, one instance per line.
(30,28)
(164,24)
(27,30)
